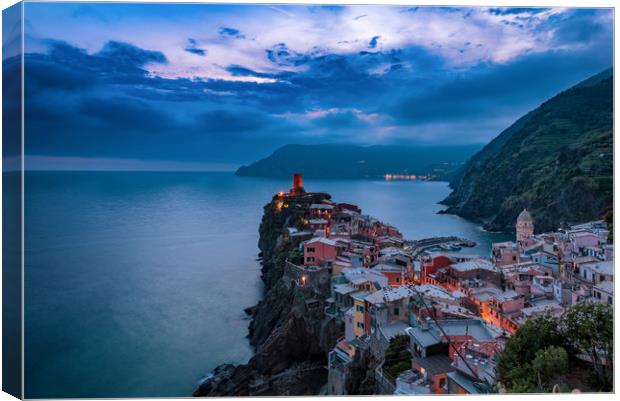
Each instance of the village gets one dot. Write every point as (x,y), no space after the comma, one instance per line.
(456,310)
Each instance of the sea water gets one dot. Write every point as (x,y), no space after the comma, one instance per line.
(135,282)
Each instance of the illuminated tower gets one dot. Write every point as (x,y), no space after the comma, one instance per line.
(525,226)
(297,189)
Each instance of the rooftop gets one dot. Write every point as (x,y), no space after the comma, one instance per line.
(359,275)
(390,295)
(474,264)
(387,267)
(606,267)
(525,216)
(343,289)
(360,295)
(435,364)
(606,286)
(553,307)
(452,327)
(321,206)
(506,244)
(434,291)
(393,329)
(322,240)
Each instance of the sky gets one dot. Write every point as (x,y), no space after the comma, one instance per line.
(216,86)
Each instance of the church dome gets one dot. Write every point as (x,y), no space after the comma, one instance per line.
(525,216)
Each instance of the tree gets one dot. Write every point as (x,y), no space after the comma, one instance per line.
(609,219)
(397,356)
(548,363)
(515,363)
(588,327)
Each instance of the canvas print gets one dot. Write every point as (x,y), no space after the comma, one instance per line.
(318,200)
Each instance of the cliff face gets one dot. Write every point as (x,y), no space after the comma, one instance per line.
(291,335)
(556,161)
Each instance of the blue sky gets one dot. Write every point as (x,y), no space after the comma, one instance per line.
(216,86)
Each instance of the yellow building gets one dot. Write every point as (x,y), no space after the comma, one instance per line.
(359,308)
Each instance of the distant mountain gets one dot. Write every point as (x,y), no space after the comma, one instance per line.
(556,161)
(350,161)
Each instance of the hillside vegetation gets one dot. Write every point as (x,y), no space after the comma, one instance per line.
(556,161)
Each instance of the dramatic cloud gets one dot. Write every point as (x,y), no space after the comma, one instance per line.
(230,83)
(193,48)
(231,32)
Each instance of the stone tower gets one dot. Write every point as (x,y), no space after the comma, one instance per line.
(525,226)
(297,189)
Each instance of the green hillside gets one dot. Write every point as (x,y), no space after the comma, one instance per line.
(557,161)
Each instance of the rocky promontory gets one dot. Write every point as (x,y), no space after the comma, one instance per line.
(291,334)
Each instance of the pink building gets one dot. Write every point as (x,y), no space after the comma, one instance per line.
(505,253)
(320,250)
(584,239)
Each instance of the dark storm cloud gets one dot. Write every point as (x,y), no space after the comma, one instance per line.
(106,103)
(373,42)
(193,48)
(343,119)
(132,114)
(128,55)
(282,56)
(70,68)
(232,122)
(239,71)
(516,10)
(231,32)
(579,29)
(483,91)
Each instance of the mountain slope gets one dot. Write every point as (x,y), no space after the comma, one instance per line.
(350,161)
(557,161)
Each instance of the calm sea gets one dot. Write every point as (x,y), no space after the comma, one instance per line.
(135,282)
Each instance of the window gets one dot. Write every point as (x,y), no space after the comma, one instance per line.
(398,279)
(359,308)
(360,325)
(310,259)
(610,300)
(442,382)
(396,311)
(602,277)
(514,258)
(310,249)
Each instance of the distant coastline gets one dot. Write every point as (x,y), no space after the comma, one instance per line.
(426,163)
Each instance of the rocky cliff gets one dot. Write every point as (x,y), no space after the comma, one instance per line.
(289,330)
(556,161)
